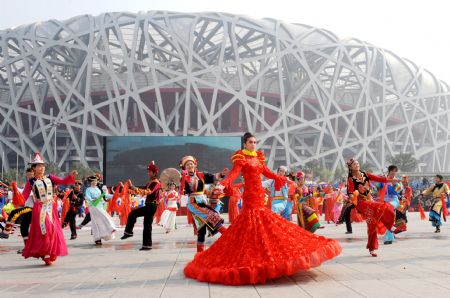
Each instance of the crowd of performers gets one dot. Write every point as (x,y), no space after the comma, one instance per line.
(280,213)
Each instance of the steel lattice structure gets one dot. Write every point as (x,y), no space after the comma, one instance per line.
(306,93)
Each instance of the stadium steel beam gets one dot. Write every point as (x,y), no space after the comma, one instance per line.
(307,94)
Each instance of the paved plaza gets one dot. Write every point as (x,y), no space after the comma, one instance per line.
(416,265)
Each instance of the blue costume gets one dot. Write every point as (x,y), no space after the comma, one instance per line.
(281,204)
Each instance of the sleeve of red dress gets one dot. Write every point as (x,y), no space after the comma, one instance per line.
(65,181)
(232,175)
(279,181)
(26,190)
(376,178)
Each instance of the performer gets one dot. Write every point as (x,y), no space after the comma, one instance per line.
(46,239)
(169,216)
(260,244)
(392,196)
(281,204)
(20,215)
(102,225)
(214,196)
(152,191)
(375,213)
(437,190)
(400,213)
(87,216)
(193,184)
(341,195)
(233,203)
(306,216)
(346,214)
(329,199)
(76,200)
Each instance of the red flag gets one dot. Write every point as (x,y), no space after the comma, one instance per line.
(17,199)
(112,206)
(444,207)
(125,205)
(65,205)
(422,212)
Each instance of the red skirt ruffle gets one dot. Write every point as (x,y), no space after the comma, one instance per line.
(52,243)
(258,246)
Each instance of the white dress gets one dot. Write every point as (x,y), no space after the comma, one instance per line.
(168,217)
(102,224)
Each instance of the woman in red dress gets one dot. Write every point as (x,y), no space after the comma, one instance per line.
(379,216)
(46,239)
(260,244)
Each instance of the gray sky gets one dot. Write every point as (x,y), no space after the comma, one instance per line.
(417,30)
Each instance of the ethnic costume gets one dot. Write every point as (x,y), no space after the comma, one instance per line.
(306,216)
(152,192)
(392,193)
(46,239)
(376,214)
(233,203)
(168,218)
(281,204)
(102,225)
(214,197)
(260,244)
(20,215)
(400,213)
(437,191)
(76,200)
(338,202)
(205,217)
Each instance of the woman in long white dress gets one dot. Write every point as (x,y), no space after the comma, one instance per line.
(168,218)
(102,224)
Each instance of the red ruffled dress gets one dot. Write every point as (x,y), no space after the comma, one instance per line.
(260,244)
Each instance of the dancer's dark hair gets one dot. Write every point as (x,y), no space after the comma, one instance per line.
(247,136)
(392,167)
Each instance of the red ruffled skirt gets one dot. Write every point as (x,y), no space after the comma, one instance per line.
(52,243)
(258,246)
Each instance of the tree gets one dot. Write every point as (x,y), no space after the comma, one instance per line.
(11,175)
(404,161)
(312,166)
(325,174)
(86,171)
(52,168)
(366,167)
(340,173)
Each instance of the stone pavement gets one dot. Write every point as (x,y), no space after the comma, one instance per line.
(416,265)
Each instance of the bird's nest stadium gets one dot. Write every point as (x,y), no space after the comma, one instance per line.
(306,93)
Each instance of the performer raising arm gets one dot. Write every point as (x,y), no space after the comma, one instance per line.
(359,194)
(46,239)
(152,191)
(260,244)
(437,190)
